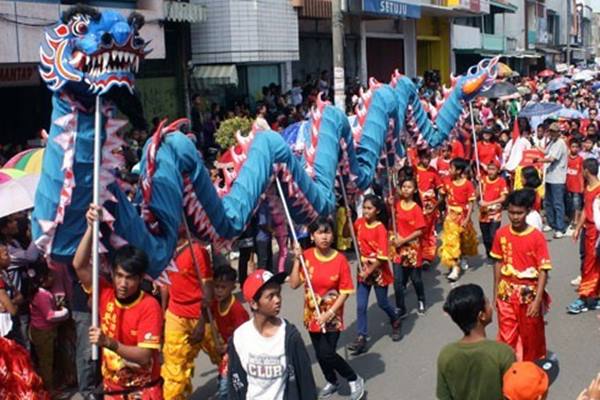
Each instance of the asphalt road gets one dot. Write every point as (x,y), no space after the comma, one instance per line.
(406,370)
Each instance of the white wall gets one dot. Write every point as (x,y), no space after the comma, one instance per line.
(238,31)
(20,43)
(514,24)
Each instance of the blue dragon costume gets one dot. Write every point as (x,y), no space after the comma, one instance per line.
(89,54)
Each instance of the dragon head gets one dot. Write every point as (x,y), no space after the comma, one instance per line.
(479,77)
(90,52)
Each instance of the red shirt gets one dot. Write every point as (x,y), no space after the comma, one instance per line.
(488,152)
(522,254)
(409,220)
(185,293)
(443,169)
(228,320)
(590,194)
(373,243)
(458,150)
(427,179)
(411,154)
(137,324)
(575,174)
(460,193)
(492,190)
(330,277)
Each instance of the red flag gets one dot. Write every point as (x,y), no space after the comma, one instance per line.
(515,133)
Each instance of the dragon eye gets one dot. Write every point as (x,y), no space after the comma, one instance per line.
(80,28)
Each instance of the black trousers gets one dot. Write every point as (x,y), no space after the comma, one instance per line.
(401,277)
(245,253)
(488,232)
(264,255)
(330,361)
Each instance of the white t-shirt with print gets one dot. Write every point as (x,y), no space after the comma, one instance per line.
(263,359)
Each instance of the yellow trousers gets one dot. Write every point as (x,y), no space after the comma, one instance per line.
(457,241)
(179,354)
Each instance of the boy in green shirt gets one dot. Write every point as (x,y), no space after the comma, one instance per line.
(473,367)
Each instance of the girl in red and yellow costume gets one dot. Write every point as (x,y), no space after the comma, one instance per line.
(458,237)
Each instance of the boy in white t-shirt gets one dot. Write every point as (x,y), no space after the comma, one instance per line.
(267,357)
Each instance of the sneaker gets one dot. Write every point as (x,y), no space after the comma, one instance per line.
(396,330)
(559,235)
(577,307)
(359,346)
(570,231)
(464,265)
(546,228)
(454,274)
(421,308)
(357,388)
(576,281)
(329,390)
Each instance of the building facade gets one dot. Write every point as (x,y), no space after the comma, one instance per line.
(25,100)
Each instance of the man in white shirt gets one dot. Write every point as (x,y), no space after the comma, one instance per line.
(268,360)
(556,177)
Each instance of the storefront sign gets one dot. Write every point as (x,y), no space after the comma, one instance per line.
(19,75)
(392,8)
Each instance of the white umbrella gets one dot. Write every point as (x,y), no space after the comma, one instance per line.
(585,75)
(18,194)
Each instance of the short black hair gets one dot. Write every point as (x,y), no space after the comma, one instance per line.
(421,153)
(320,222)
(463,304)
(531,177)
(591,166)
(132,260)
(225,273)
(459,164)
(521,198)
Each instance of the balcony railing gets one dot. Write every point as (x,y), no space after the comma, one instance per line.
(494,42)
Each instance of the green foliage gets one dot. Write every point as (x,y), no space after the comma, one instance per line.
(225,135)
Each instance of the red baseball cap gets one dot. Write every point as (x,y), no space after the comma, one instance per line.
(527,380)
(259,278)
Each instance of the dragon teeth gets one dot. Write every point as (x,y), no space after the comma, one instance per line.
(114,55)
(105,58)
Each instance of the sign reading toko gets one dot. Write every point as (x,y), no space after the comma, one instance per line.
(392,8)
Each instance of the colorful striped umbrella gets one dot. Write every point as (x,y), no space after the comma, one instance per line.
(29,161)
(17,190)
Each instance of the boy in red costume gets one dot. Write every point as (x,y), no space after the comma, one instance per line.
(520,278)
(590,264)
(490,207)
(428,183)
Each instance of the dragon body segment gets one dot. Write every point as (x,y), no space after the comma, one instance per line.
(173,177)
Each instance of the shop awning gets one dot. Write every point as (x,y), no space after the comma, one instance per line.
(213,75)
(503,6)
(177,11)
(547,50)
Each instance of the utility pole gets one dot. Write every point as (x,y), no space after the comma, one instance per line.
(337,33)
(569,25)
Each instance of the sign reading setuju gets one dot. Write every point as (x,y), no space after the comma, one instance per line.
(392,8)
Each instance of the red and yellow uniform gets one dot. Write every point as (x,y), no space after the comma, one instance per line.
(428,181)
(330,276)
(373,244)
(182,318)
(138,324)
(409,220)
(488,152)
(492,190)
(575,174)
(590,270)
(522,255)
(443,169)
(458,240)
(226,322)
